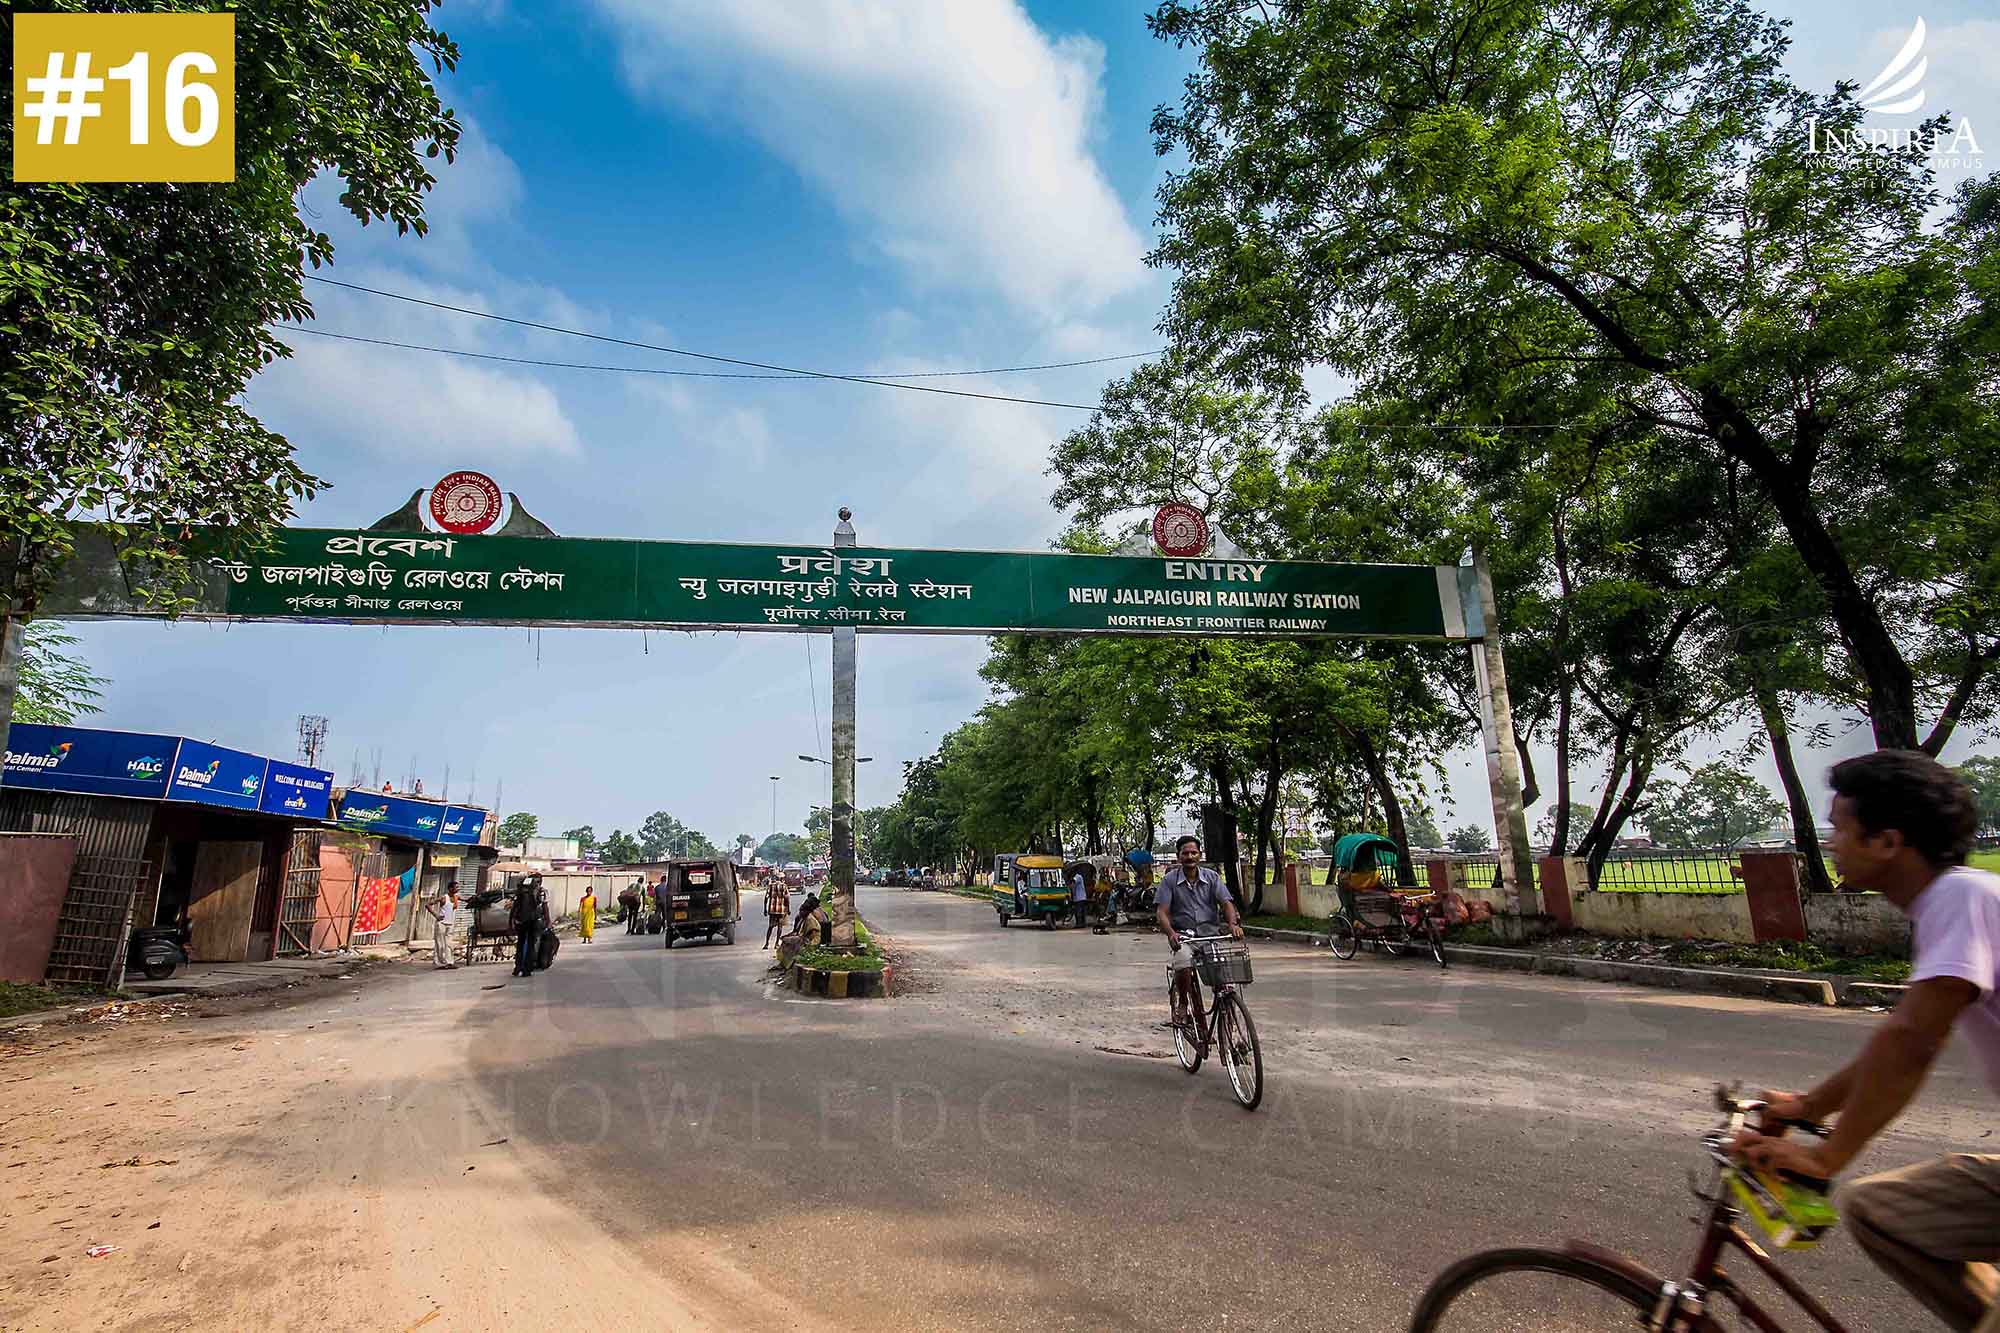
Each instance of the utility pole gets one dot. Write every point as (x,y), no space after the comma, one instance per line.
(841,872)
(774,803)
(1503,759)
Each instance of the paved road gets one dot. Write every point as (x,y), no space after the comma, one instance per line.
(1009,1148)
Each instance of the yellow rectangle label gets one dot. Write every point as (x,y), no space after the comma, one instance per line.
(124,97)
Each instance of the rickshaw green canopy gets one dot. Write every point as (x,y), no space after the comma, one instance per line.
(1366,851)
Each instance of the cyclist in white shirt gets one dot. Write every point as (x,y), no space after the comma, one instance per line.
(1903,824)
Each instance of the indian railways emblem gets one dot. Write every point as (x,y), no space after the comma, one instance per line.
(1180,529)
(466,503)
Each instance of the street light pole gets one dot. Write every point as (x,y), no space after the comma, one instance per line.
(774,803)
(841,871)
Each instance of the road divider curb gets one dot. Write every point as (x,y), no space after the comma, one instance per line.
(840,985)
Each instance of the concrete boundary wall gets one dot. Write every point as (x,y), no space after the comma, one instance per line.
(1632,914)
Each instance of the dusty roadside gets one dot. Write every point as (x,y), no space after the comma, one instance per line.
(250,1166)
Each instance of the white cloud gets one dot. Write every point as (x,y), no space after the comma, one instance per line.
(955,134)
(407,405)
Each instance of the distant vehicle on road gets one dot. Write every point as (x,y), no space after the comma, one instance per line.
(1030,887)
(702,899)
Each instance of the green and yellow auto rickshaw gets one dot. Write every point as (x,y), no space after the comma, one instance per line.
(1031,887)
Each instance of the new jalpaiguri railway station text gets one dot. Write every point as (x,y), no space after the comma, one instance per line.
(1225,599)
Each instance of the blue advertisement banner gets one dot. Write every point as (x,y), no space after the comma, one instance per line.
(211,775)
(87,760)
(296,791)
(462,825)
(397,816)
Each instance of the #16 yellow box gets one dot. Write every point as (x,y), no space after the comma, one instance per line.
(124,97)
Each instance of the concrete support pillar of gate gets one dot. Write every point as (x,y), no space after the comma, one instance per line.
(840,874)
(1503,761)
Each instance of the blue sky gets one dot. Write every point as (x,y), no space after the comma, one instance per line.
(902,185)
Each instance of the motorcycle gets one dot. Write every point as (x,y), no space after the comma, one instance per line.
(158,950)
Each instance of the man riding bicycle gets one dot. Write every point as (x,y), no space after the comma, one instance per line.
(1190,899)
(1903,824)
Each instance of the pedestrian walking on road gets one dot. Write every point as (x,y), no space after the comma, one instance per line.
(439,906)
(1903,824)
(527,919)
(586,915)
(777,906)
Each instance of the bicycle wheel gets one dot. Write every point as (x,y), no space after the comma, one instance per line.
(1187,1048)
(1392,940)
(1340,934)
(1242,1057)
(1530,1290)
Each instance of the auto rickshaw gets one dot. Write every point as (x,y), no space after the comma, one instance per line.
(1031,887)
(702,899)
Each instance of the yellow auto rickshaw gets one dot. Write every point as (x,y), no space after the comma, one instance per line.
(1031,887)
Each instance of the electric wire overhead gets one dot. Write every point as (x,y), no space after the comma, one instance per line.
(765,370)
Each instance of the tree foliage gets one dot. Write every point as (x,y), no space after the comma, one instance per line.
(586,838)
(136,315)
(1469,838)
(1605,218)
(1982,774)
(55,686)
(1718,807)
(622,849)
(517,828)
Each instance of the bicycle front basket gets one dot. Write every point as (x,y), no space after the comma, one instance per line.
(1223,962)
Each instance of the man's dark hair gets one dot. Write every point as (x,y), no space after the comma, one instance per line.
(1184,840)
(1914,794)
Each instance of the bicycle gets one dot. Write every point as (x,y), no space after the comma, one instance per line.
(1224,964)
(1582,1286)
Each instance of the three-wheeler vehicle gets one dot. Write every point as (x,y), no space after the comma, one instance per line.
(1031,887)
(702,900)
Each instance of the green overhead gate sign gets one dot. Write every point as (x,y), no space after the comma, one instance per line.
(332,575)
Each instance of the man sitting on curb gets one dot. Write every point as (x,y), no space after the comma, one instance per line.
(1903,825)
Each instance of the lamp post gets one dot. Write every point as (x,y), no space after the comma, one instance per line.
(774,803)
(833,815)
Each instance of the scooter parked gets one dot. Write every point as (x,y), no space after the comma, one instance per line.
(158,950)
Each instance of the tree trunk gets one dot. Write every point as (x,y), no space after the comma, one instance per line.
(1226,798)
(1273,776)
(13,633)
(1805,834)
(1093,817)
(1565,699)
(1892,702)
(1392,808)
(1635,786)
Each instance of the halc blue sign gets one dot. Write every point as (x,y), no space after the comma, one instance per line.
(462,825)
(296,791)
(211,775)
(398,816)
(87,760)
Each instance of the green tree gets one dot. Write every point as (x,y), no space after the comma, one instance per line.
(136,315)
(586,838)
(1982,774)
(661,835)
(1423,829)
(622,849)
(782,848)
(517,828)
(1493,212)
(1579,819)
(55,687)
(1718,807)
(1469,838)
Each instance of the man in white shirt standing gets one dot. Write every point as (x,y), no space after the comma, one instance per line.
(1903,825)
